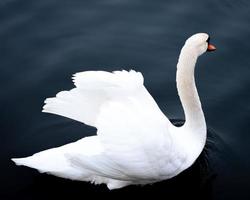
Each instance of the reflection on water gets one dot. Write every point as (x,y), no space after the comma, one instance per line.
(43,42)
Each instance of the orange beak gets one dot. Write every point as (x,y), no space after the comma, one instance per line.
(211,47)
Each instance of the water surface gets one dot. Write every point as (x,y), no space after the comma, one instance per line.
(42,43)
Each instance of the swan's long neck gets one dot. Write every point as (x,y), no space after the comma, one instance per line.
(195,120)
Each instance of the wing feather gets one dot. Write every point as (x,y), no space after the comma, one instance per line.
(132,129)
(135,136)
(93,89)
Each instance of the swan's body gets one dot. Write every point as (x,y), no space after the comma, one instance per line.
(135,141)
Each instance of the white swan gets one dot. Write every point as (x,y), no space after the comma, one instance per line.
(135,141)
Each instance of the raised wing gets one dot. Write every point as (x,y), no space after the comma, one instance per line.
(132,129)
(93,89)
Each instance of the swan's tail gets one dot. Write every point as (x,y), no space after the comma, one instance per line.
(22,161)
(58,162)
(53,161)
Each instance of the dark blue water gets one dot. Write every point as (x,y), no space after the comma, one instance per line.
(42,43)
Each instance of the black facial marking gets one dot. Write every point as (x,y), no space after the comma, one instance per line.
(208,40)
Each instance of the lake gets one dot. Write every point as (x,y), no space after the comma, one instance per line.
(42,43)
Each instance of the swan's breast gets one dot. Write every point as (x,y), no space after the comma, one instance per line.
(174,164)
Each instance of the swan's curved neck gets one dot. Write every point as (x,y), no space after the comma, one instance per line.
(187,91)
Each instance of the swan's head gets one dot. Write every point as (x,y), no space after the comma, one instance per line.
(199,43)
